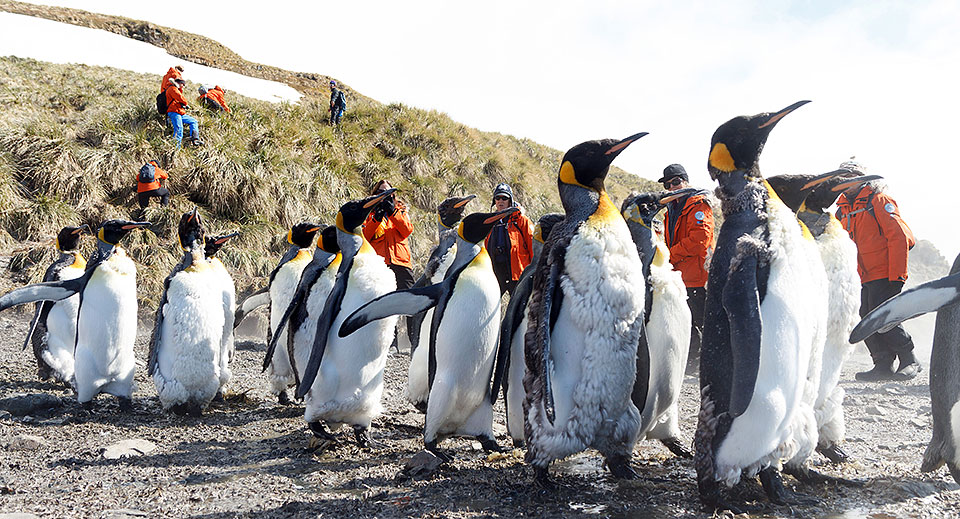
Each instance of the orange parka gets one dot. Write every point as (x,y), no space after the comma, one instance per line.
(883,239)
(158,175)
(520,231)
(171,74)
(216,94)
(175,100)
(389,236)
(691,239)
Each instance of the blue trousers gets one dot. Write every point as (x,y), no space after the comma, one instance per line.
(178,121)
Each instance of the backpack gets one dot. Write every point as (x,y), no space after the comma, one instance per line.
(148,173)
(162,103)
(341,100)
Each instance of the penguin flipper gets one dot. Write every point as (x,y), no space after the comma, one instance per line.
(46,291)
(154,351)
(741,301)
(252,302)
(508,327)
(921,299)
(331,308)
(307,279)
(33,324)
(401,302)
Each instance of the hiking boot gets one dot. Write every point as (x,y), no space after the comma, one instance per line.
(196,142)
(878,373)
(909,367)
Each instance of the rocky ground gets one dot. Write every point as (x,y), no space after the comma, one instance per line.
(246,458)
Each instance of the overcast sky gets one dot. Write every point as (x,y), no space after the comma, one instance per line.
(882,75)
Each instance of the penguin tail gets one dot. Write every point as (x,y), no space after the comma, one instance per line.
(925,298)
(402,302)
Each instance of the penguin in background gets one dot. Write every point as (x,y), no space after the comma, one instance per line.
(53,331)
(664,343)
(106,318)
(585,316)
(449,214)
(186,346)
(941,296)
(463,337)
(305,308)
(512,330)
(212,245)
(342,381)
(809,196)
(765,316)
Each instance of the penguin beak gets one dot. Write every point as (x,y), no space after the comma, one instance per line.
(680,193)
(193,214)
(463,201)
(775,117)
(223,239)
(615,150)
(134,225)
(80,229)
(374,200)
(500,215)
(855,181)
(820,179)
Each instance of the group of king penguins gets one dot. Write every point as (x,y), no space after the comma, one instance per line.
(589,353)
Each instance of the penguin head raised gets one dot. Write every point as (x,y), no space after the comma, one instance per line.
(737,143)
(213,244)
(353,213)
(641,208)
(807,192)
(586,164)
(475,227)
(68,239)
(112,231)
(190,230)
(302,234)
(328,240)
(450,211)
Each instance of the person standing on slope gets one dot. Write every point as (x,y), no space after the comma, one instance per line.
(510,242)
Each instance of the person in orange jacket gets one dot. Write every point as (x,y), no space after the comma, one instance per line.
(148,185)
(387,229)
(510,242)
(688,232)
(213,99)
(883,240)
(177,114)
(173,74)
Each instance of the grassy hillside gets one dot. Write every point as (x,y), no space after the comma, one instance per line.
(73,137)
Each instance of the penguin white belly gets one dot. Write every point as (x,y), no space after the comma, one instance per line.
(349,383)
(418,371)
(466,350)
(594,346)
(62,331)
(304,336)
(515,392)
(955,431)
(229,296)
(668,340)
(106,330)
(188,356)
(282,288)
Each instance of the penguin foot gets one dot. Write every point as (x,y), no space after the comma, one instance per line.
(620,468)
(541,477)
(518,443)
(317,445)
(126,404)
(218,398)
(364,441)
(778,494)
(807,475)
(87,406)
(421,406)
(432,447)
(834,453)
(320,431)
(284,399)
(954,471)
(185,409)
(489,444)
(675,446)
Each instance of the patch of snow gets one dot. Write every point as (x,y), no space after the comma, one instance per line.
(46,40)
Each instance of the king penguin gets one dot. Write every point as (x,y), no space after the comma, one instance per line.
(53,331)
(106,319)
(186,346)
(512,330)
(765,315)
(342,381)
(585,315)
(941,296)
(212,246)
(665,341)
(463,337)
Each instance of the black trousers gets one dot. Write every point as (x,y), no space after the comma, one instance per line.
(884,347)
(404,276)
(144,198)
(696,301)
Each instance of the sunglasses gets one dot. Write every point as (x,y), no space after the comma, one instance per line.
(675,181)
(501,198)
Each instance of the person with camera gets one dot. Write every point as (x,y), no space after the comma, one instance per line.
(510,242)
(387,229)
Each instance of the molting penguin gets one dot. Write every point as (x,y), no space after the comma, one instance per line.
(463,337)
(764,316)
(665,341)
(212,245)
(342,382)
(186,347)
(53,331)
(939,296)
(107,317)
(585,317)
(514,328)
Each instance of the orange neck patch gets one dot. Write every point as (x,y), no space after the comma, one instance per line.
(721,159)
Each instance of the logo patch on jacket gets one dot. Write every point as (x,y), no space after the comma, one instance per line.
(699,216)
(889,207)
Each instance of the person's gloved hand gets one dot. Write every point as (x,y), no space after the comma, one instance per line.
(385,208)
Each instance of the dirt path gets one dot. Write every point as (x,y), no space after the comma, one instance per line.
(246,458)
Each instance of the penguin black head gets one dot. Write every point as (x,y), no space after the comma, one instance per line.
(586,164)
(737,143)
(302,234)
(190,230)
(68,239)
(546,224)
(328,240)
(475,227)
(112,231)
(451,210)
(641,208)
(353,213)
(213,244)
(810,192)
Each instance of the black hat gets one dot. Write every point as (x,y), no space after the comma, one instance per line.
(503,189)
(672,171)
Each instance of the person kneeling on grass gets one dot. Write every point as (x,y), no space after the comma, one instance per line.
(148,185)
(212,98)
(177,114)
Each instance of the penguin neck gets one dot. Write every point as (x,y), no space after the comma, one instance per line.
(466,251)
(537,249)
(740,193)
(578,202)
(322,255)
(104,250)
(350,244)
(646,247)
(192,255)
(815,221)
(442,227)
